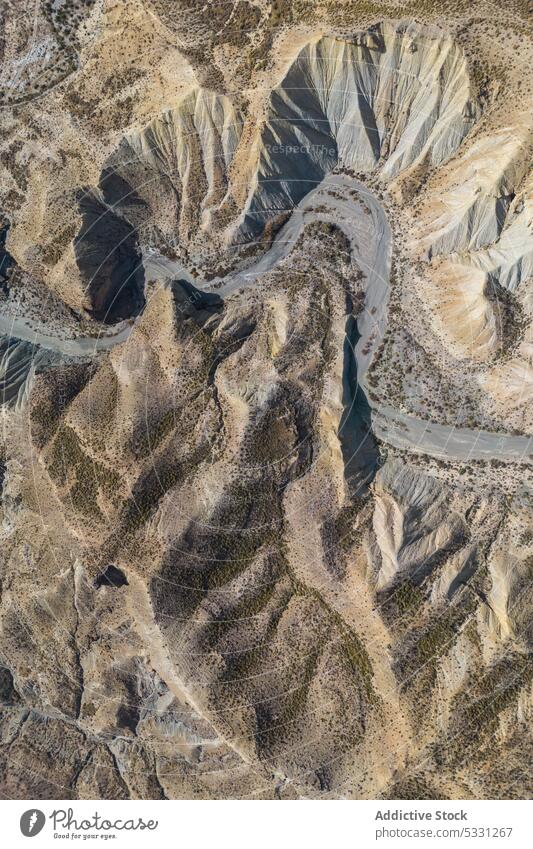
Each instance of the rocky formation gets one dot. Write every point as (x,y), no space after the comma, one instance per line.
(109,261)
(170,177)
(245,549)
(396,98)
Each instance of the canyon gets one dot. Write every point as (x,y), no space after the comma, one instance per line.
(266,374)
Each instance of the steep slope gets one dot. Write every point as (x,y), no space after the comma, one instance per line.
(171,177)
(395,98)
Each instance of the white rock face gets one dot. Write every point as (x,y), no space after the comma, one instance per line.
(394,98)
(476,190)
(476,229)
(18,362)
(509,260)
(464,313)
(175,170)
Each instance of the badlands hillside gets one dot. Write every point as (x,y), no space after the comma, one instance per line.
(266,343)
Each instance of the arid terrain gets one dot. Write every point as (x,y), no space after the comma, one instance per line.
(266,375)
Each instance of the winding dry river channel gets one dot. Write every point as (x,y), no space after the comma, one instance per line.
(357,211)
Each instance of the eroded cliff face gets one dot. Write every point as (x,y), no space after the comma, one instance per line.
(395,98)
(170,177)
(216,583)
